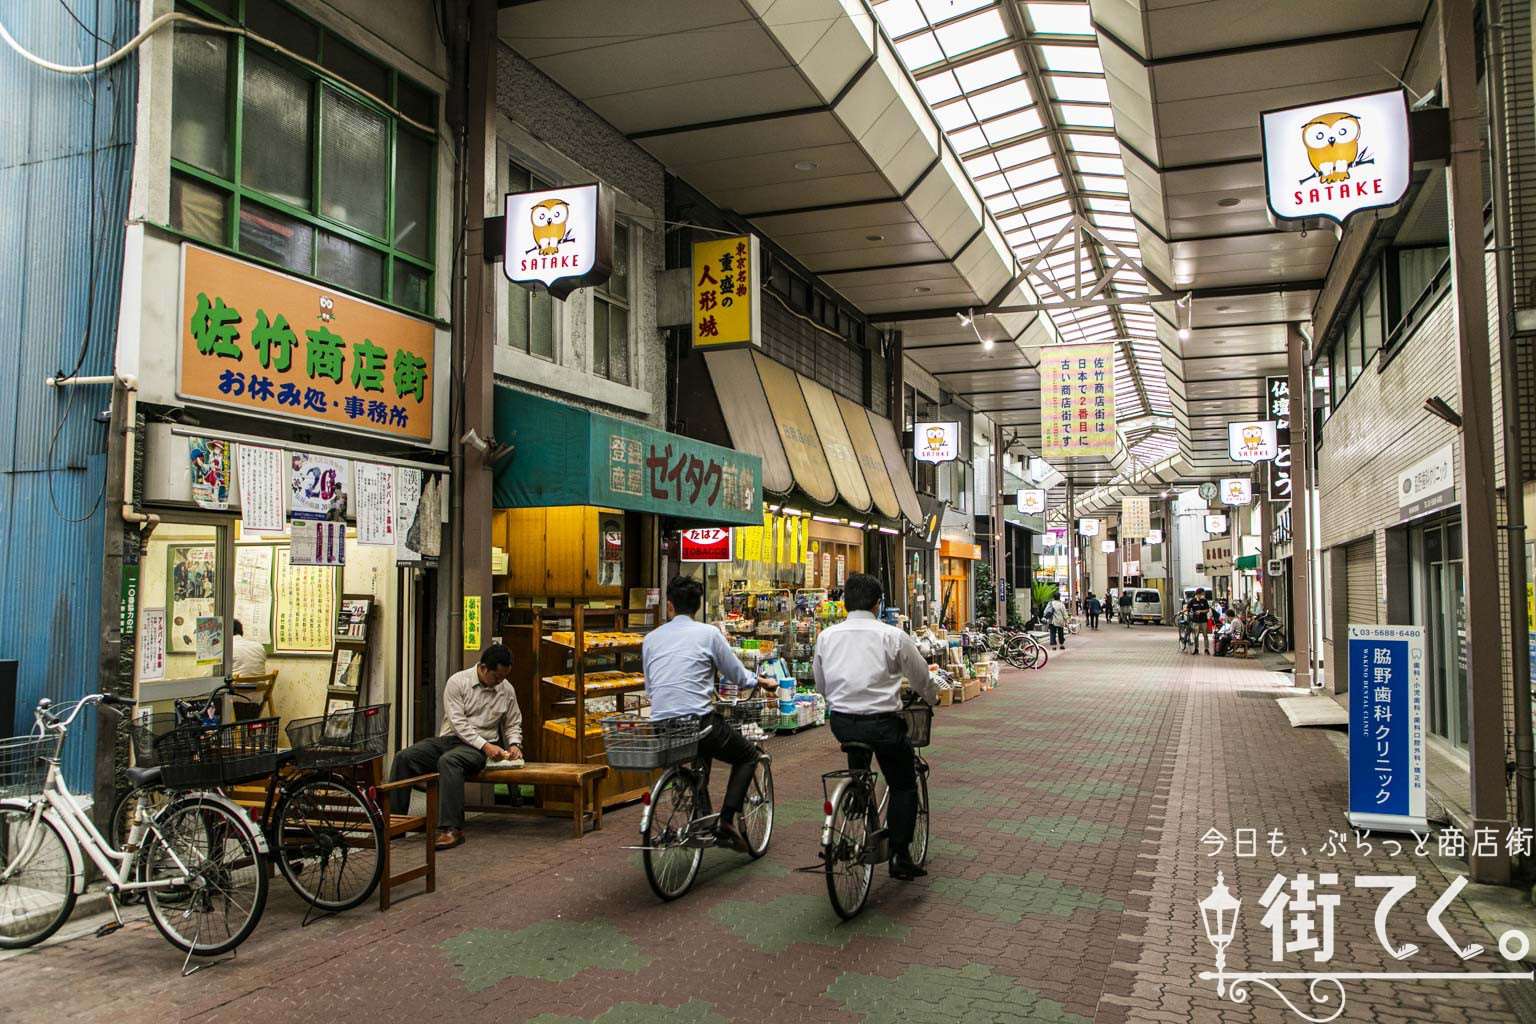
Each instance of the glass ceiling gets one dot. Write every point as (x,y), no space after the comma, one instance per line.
(1018,87)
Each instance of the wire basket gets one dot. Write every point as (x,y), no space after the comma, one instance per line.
(341,738)
(201,756)
(24,765)
(145,731)
(634,742)
(762,712)
(919,723)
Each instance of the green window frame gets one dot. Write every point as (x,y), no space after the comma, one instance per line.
(358,114)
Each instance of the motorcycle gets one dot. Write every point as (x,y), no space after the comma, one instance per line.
(1265,630)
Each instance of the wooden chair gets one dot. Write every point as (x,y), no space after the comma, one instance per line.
(399,825)
(256,688)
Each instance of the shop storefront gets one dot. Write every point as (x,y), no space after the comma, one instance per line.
(957,560)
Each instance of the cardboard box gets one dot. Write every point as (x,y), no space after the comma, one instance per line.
(946,697)
(972,689)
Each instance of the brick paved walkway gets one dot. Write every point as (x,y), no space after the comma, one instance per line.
(1069,807)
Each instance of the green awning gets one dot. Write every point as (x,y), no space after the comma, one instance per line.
(1247,561)
(566,455)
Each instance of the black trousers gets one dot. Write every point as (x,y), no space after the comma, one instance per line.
(452,759)
(1058,636)
(724,743)
(1093,620)
(887,734)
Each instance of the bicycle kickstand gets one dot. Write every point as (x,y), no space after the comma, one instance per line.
(117,918)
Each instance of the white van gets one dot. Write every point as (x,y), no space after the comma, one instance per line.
(1146,605)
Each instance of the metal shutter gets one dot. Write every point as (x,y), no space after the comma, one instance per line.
(1360,581)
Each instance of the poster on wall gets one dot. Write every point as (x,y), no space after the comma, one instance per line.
(318,542)
(376,510)
(317,486)
(262,504)
(842,570)
(407,503)
(192,584)
(429,516)
(253,591)
(208,463)
(210,640)
(1077,400)
(304,607)
(151,644)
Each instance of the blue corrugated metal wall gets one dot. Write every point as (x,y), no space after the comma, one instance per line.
(52,448)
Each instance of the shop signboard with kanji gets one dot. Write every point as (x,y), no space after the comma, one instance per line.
(270,344)
(1077,400)
(1386,728)
(1277,396)
(706,544)
(726,312)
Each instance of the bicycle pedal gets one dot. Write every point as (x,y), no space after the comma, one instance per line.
(108,929)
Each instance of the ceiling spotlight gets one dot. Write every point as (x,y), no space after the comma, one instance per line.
(966,318)
(986,344)
(805,165)
(1183,333)
(874,238)
(1228,201)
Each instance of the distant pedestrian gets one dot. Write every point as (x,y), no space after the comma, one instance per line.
(1056,618)
(1198,608)
(1094,608)
(1125,608)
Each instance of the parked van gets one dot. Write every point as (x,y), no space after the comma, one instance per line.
(1146,605)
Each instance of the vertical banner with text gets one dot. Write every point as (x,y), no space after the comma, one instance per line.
(1386,728)
(1077,400)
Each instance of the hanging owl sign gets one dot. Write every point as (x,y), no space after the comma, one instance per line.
(560,238)
(1327,161)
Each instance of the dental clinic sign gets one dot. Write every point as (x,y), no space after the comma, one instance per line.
(1327,161)
(560,238)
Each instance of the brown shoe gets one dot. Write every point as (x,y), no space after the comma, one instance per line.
(448,838)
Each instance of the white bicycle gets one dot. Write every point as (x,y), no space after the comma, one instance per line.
(197,860)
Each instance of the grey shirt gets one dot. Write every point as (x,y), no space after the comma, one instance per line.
(681,659)
(480,714)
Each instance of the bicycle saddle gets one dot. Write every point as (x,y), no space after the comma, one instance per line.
(143,776)
(849,748)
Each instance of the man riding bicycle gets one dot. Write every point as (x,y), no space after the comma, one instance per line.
(682,658)
(859,665)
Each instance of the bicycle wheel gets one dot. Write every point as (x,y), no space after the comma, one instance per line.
(671,863)
(1274,641)
(756,815)
(849,876)
(209,843)
(126,814)
(330,843)
(37,883)
(920,835)
(1038,656)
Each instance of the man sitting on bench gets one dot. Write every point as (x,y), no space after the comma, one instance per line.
(481,721)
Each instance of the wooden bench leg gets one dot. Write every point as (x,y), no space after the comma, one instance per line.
(432,836)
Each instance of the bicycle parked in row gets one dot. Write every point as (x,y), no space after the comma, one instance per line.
(199,863)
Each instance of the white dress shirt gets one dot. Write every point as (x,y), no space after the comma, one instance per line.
(249,658)
(861,662)
(681,658)
(480,714)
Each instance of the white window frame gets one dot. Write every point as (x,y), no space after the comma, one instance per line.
(631,348)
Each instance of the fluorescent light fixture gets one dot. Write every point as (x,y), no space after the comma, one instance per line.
(827,519)
(792,511)
(887,529)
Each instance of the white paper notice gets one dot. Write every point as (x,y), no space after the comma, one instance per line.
(253,591)
(318,542)
(260,474)
(151,644)
(376,510)
(318,485)
(408,502)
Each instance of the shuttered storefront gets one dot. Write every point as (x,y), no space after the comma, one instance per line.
(1360,581)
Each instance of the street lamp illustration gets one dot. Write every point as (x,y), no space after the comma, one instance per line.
(1218,913)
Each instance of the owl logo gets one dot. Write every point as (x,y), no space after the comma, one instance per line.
(936,437)
(550,231)
(1253,437)
(1333,146)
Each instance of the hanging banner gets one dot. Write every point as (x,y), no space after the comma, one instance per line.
(561,238)
(1135,517)
(1032,502)
(407,503)
(1077,400)
(708,544)
(726,312)
(376,510)
(1216,523)
(1107,546)
(1216,557)
(1251,440)
(1236,491)
(1277,396)
(1154,536)
(1129,569)
(1328,160)
(936,442)
(1386,728)
(208,462)
(151,644)
(317,486)
(1088,527)
(262,503)
(318,542)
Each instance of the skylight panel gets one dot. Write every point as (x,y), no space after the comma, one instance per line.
(1072,58)
(968,139)
(919,51)
(901,17)
(1024,153)
(962,37)
(1082,142)
(999,67)
(1105,165)
(1043,190)
(937,88)
(1040,170)
(1051,210)
(1085,90)
(1087,115)
(1000,99)
(1012,126)
(1103,183)
(1109,205)
(1060,19)
(939,10)
(955,115)
(1113,220)
(986,163)
(992,184)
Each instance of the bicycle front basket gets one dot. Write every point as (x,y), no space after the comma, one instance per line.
(24,765)
(203,756)
(919,723)
(346,737)
(637,743)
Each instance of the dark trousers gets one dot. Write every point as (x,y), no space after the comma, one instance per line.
(1125,617)
(1058,636)
(452,759)
(723,743)
(1093,620)
(887,734)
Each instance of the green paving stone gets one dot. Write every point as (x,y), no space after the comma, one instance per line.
(1108,759)
(1012,898)
(693,1012)
(798,812)
(548,950)
(800,917)
(944,995)
(952,798)
(948,848)
(1085,789)
(990,765)
(1058,831)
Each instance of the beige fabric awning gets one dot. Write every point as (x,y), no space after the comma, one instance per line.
(871,460)
(836,444)
(747,416)
(896,466)
(797,430)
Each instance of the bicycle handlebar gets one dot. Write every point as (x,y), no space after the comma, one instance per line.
(46,721)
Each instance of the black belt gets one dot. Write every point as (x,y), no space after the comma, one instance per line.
(869,717)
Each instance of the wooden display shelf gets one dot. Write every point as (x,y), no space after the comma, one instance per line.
(593,642)
(567,727)
(600,684)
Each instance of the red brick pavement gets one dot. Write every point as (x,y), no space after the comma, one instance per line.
(1069,810)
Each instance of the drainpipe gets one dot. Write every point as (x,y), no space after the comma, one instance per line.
(1514,469)
(999,530)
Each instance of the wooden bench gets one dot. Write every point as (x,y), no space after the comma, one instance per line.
(580,780)
(399,825)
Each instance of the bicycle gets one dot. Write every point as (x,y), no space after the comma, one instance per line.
(200,865)
(677,824)
(1023,649)
(325,833)
(854,838)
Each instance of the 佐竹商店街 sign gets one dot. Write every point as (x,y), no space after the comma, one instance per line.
(268,343)
(1328,160)
(1077,400)
(725,289)
(561,238)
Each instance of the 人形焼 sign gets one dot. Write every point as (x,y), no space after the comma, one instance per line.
(1326,161)
(268,343)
